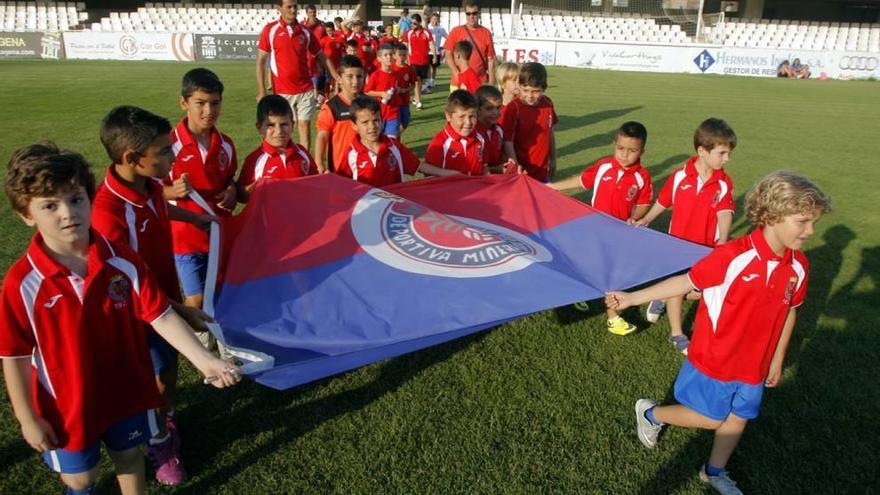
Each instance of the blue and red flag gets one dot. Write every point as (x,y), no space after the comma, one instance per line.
(324,274)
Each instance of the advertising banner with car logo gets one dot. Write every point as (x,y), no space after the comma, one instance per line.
(225,46)
(31,45)
(128,46)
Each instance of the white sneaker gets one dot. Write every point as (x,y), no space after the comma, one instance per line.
(418,105)
(655,311)
(721,483)
(646,431)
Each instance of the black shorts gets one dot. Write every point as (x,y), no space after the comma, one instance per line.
(436,60)
(421,71)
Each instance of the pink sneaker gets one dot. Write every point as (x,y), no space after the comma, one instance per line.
(169,470)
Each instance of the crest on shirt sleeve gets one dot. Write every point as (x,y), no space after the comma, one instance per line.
(119,291)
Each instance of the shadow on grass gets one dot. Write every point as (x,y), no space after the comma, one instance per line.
(567,122)
(755,463)
(276,414)
(594,141)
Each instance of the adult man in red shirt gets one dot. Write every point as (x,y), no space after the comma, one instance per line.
(421,47)
(483,57)
(316,27)
(286,46)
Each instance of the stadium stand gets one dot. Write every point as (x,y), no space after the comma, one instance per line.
(17,16)
(24,17)
(617,27)
(803,35)
(205,18)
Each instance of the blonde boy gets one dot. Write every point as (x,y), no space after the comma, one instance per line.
(751,288)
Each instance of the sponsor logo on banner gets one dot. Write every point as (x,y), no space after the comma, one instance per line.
(225,46)
(31,45)
(412,238)
(704,60)
(526,50)
(128,46)
(859,63)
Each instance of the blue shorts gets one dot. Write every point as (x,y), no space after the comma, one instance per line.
(192,269)
(392,128)
(123,435)
(161,352)
(404,115)
(716,399)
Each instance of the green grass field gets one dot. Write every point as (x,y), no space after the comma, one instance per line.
(543,404)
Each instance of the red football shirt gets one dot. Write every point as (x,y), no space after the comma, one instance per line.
(406,80)
(318,33)
(268,162)
(366,48)
(210,172)
(617,190)
(383,81)
(84,337)
(381,169)
(141,222)
(419,42)
(468,81)
(453,151)
(530,129)
(333,48)
(747,293)
(483,49)
(289,48)
(695,204)
(493,137)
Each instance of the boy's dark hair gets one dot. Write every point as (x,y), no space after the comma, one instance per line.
(129,128)
(273,105)
(486,92)
(350,61)
(351,43)
(464,48)
(460,99)
(533,74)
(401,47)
(714,132)
(633,129)
(386,47)
(361,103)
(330,25)
(200,79)
(338,19)
(311,6)
(416,17)
(43,169)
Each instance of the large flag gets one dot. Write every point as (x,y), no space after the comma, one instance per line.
(323,274)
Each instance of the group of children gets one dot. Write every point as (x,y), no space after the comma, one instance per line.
(116,255)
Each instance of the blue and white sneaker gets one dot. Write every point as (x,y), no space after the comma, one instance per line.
(655,311)
(721,483)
